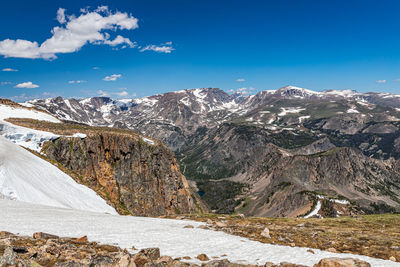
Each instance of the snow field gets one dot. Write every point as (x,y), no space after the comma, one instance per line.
(169,235)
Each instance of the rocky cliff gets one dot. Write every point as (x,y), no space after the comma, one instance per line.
(137,177)
(135,174)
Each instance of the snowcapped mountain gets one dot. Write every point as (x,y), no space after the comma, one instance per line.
(174,116)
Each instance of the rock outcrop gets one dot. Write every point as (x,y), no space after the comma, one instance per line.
(137,176)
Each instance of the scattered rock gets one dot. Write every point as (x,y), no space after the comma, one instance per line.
(82,239)
(333,250)
(269,264)
(188,226)
(204,227)
(311,251)
(339,262)
(241,216)
(221,263)
(265,233)
(101,261)
(292,245)
(221,224)
(287,264)
(209,221)
(41,235)
(8,257)
(187,258)
(140,260)
(392,258)
(165,259)
(203,257)
(133,247)
(151,253)
(4,234)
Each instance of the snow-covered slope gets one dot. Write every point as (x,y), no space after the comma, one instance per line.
(169,235)
(28,178)
(22,136)
(7,111)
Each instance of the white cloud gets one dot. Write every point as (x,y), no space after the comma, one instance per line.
(162,48)
(9,69)
(26,85)
(112,77)
(96,68)
(5,83)
(61,15)
(381,81)
(118,41)
(88,27)
(78,81)
(240,80)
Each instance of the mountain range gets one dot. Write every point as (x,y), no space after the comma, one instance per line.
(285,152)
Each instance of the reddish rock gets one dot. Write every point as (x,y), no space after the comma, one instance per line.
(203,257)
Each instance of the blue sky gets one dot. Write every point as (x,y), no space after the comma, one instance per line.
(180,44)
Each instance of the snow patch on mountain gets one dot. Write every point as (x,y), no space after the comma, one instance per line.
(288,110)
(7,111)
(28,178)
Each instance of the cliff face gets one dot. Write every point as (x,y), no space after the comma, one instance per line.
(134,176)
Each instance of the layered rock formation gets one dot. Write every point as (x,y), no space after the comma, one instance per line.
(135,176)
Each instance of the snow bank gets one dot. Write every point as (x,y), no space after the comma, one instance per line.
(29,138)
(15,112)
(79,135)
(169,235)
(314,211)
(151,142)
(288,110)
(28,178)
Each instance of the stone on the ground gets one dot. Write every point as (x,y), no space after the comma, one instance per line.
(203,257)
(342,262)
(8,257)
(265,233)
(41,235)
(221,224)
(82,239)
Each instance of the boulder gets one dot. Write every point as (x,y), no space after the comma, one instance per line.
(82,239)
(8,257)
(342,262)
(151,253)
(41,235)
(221,224)
(222,263)
(265,233)
(203,257)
